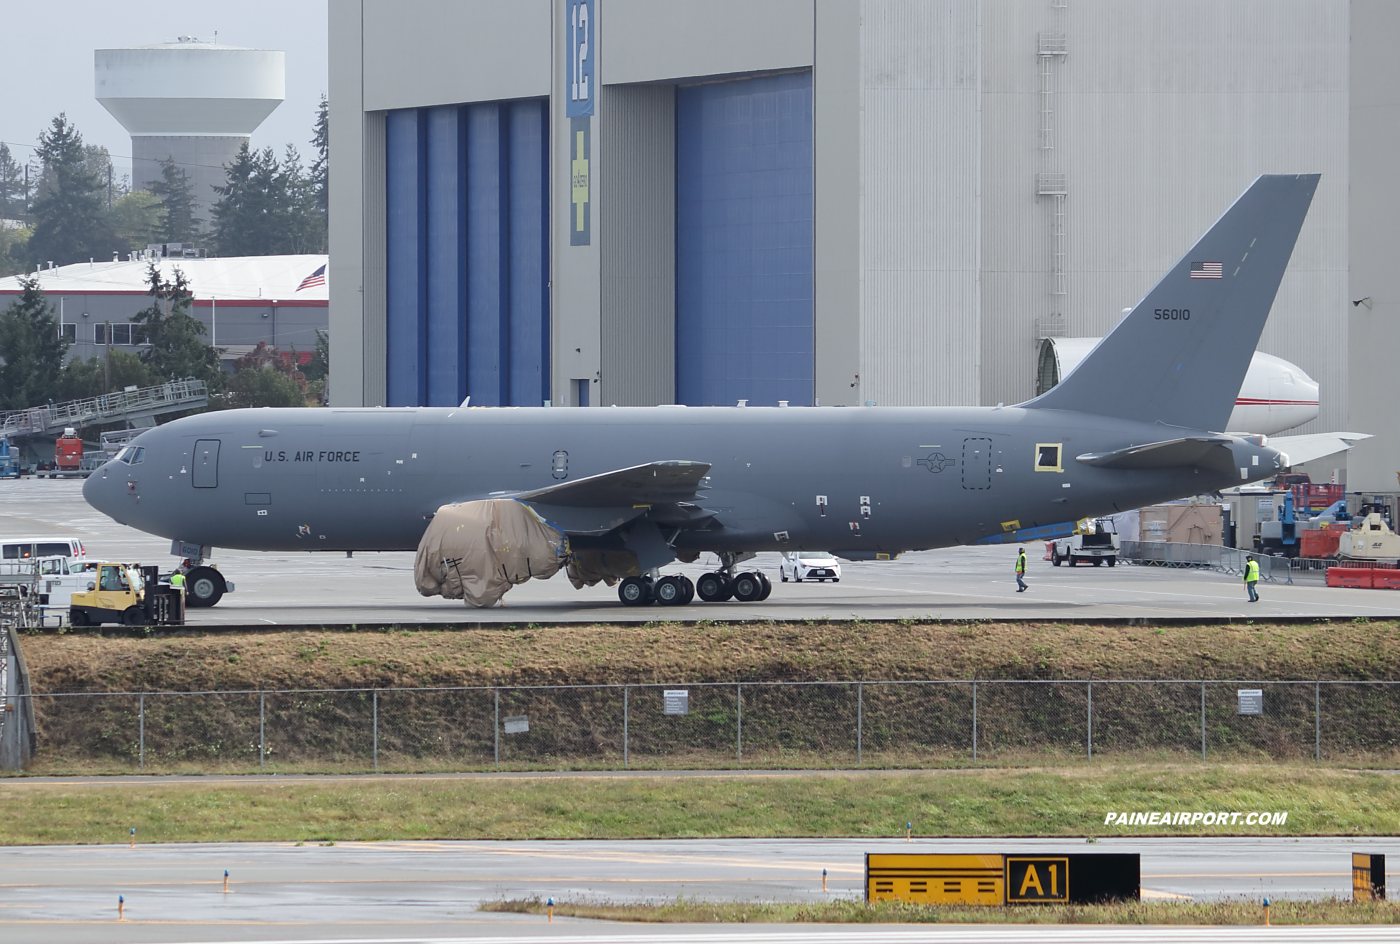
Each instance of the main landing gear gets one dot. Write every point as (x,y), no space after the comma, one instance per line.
(714,587)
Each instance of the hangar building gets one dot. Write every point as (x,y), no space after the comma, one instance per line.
(595,202)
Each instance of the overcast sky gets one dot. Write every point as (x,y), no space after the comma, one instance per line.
(49,63)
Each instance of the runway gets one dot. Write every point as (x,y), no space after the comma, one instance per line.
(404,891)
(953,583)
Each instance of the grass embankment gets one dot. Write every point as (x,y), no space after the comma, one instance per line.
(858,912)
(659,652)
(1070,802)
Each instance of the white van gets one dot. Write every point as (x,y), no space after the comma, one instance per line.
(28,548)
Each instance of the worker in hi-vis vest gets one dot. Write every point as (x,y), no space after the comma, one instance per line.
(177,582)
(1021,570)
(1251,579)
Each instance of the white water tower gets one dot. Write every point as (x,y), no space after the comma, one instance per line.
(192,101)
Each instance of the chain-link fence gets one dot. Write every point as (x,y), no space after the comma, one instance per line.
(766,725)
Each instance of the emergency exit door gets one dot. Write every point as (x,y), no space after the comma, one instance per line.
(205,473)
(977,464)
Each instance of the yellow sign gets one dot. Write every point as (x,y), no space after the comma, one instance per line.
(1366,884)
(1011,525)
(1031,880)
(579,176)
(935,879)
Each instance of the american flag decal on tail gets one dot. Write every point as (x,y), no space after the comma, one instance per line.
(319,278)
(1207,270)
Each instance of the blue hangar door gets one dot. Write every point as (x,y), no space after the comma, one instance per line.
(467,260)
(744,242)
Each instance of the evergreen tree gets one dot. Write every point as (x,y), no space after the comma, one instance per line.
(137,221)
(320,167)
(319,367)
(303,225)
(31,349)
(12,195)
(176,195)
(70,222)
(89,378)
(264,386)
(176,350)
(253,215)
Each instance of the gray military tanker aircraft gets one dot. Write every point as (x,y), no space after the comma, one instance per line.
(1140,420)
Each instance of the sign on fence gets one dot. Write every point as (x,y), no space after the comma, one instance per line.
(517,724)
(1251,701)
(677,701)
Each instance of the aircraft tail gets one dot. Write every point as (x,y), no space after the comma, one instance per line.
(1180,355)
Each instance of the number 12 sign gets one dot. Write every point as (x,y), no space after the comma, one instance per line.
(583,58)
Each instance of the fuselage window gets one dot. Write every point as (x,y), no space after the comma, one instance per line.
(1047,457)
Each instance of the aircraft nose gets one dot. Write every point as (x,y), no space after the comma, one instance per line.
(102,490)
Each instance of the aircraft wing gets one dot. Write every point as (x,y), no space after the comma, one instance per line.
(1169,454)
(600,503)
(1301,449)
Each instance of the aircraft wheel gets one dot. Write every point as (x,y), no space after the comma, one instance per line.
(689,589)
(747,587)
(204,586)
(132,616)
(767,586)
(634,591)
(1111,560)
(714,588)
(670,591)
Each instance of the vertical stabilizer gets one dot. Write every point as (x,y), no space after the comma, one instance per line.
(1180,356)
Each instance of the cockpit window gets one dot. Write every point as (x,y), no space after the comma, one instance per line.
(132,455)
(139,455)
(125,454)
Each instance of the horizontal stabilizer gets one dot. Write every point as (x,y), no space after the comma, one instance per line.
(1198,451)
(654,483)
(1300,449)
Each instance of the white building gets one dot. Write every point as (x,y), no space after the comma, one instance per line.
(650,201)
(240,300)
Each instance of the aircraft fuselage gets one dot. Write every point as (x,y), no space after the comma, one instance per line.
(881,479)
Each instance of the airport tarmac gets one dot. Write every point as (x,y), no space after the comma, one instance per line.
(431,890)
(952,583)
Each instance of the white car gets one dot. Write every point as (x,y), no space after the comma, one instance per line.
(810,565)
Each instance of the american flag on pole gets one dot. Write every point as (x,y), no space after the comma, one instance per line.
(319,277)
(1199,270)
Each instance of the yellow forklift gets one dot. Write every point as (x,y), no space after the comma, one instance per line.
(128,594)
